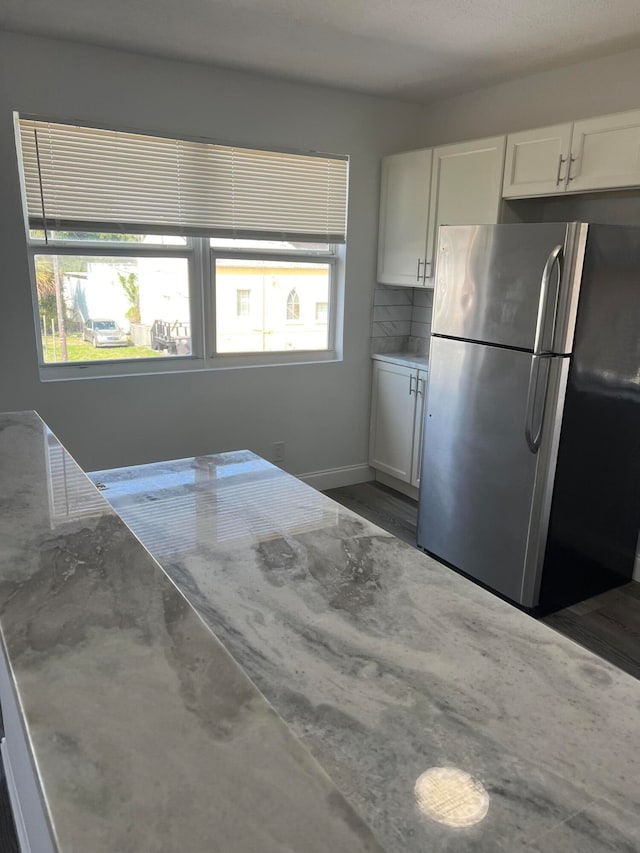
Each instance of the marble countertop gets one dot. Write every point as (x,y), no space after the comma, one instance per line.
(386,664)
(145,734)
(407,359)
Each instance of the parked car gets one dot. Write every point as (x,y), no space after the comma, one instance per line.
(104,333)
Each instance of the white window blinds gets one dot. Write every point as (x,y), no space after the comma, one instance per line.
(85,178)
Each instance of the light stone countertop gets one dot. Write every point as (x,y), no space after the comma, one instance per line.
(146,736)
(408,359)
(387,664)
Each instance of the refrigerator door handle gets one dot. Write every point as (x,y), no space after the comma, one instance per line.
(533,433)
(554,258)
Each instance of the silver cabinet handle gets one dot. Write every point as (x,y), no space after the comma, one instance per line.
(419,265)
(411,388)
(560,162)
(571,177)
(420,387)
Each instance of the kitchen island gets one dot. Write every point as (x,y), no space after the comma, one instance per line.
(128,728)
(387,664)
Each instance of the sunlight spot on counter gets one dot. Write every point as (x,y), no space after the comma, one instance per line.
(451,796)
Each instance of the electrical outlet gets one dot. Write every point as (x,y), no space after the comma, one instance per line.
(277,451)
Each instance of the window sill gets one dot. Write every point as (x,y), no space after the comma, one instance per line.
(185,364)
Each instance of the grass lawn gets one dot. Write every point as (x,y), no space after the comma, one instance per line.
(79,350)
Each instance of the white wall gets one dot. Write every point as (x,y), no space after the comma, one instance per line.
(321,410)
(598,87)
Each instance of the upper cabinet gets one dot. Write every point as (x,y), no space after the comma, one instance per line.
(536,161)
(404,217)
(421,190)
(605,152)
(595,154)
(466,189)
(463,184)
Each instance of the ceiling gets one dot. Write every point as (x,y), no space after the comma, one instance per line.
(411,49)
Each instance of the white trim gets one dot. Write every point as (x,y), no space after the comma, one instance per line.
(334,478)
(18,817)
(28,803)
(398,485)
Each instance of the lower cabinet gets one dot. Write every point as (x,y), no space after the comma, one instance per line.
(397,416)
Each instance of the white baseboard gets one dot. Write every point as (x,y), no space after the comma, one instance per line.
(334,478)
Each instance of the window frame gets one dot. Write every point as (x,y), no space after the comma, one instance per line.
(201,259)
(330,258)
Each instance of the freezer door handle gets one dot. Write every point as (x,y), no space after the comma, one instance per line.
(533,432)
(552,260)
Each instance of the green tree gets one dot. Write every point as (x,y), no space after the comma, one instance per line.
(132,290)
(46,287)
(78,263)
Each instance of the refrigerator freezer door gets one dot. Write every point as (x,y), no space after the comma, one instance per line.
(488,281)
(480,480)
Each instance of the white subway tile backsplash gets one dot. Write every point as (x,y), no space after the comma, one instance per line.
(390,327)
(422,297)
(395,313)
(390,343)
(420,330)
(421,314)
(401,317)
(418,346)
(392,295)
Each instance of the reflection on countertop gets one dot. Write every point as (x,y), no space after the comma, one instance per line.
(387,665)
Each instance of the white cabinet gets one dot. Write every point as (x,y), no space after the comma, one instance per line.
(421,190)
(605,152)
(397,415)
(404,212)
(594,154)
(466,188)
(536,161)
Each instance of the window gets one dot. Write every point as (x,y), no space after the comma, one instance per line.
(105,307)
(293,305)
(283,295)
(155,252)
(243,303)
(322,312)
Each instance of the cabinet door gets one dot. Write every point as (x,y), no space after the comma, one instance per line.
(466,188)
(418,427)
(536,162)
(605,152)
(404,212)
(393,404)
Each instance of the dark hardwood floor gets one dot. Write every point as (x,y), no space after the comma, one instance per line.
(608,624)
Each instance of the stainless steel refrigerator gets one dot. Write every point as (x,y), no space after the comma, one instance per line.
(531,453)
